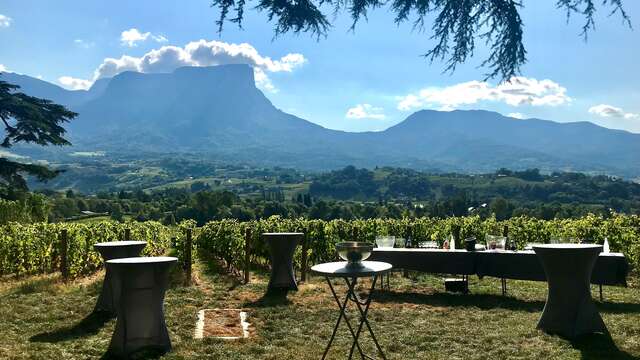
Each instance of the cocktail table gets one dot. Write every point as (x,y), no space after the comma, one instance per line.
(569,310)
(108,251)
(139,284)
(350,275)
(282,247)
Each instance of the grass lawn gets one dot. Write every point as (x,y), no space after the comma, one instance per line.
(43,318)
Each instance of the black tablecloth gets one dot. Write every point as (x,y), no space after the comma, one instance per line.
(610,268)
(428,260)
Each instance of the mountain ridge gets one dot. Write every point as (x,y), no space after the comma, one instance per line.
(219,111)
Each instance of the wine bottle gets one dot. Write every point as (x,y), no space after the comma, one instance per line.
(508,244)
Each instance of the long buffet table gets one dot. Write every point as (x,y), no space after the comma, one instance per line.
(610,268)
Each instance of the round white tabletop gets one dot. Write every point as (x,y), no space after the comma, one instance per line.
(120,243)
(340,269)
(280,234)
(144,260)
(566,246)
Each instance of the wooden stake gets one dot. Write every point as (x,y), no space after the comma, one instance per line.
(187,255)
(303,270)
(64,246)
(247,253)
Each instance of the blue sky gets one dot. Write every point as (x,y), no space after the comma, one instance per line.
(369,79)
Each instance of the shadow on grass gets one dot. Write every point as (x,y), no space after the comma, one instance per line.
(272,298)
(482,301)
(35,286)
(489,301)
(599,346)
(214,269)
(145,353)
(595,346)
(88,326)
(618,308)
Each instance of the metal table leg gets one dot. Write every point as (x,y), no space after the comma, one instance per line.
(382,281)
(363,316)
(466,283)
(363,308)
(601,299)
(342,305)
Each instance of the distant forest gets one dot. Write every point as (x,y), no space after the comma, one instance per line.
(350,193)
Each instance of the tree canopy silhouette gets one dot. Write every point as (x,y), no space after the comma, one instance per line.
(29,119)
(456,26)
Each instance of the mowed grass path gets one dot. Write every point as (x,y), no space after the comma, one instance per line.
(43,318)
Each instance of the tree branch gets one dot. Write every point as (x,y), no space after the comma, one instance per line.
(455,28)
(37,121)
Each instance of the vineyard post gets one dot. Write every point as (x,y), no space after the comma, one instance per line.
(247,249)
(187,255)
(127,234)
(407,236)
(303,270)
(64,262)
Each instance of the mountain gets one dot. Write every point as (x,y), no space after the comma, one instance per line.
(479,138)
(42,89)
(218,112)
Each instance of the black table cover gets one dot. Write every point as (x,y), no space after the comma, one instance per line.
(109,251)
(610,268)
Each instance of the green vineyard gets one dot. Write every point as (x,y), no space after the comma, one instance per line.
(36,248)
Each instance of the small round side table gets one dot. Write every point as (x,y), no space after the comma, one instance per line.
(350,275)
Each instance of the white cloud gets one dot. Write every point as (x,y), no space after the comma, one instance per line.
(517,91)
(111,67)
(201,53)
(84,44)
(5,21)
(365,111)
(133,36)
(160,38)
(409,102)
(74,84)
(10,155)
(3,68)
(263,81)
(516,115)
(606,111)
